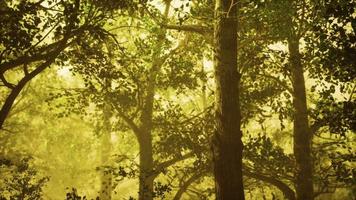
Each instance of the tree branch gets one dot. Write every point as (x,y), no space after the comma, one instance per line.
(128,120)
(203,30)
(352,93)
(6,83)
(279,81)
(286,190)
(50,58)
(161,166)
(181,44)
(187,183)
(50,49)
(5,109)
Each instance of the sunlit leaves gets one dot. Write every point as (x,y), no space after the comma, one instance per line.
(19,27)
(179,132)
(334,41)
(20,180)
(339,117)
(264,156)
(180,73)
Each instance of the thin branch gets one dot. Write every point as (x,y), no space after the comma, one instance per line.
(120,27)
(352,92)
(197,115)
(44,37)
(183,187)
(128,120)
(33,58)
(279,81)
(5,82)
(162,166)
(203,30)
(5,109)
(174,51)
(231,5)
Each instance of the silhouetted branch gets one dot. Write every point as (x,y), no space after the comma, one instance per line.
(286,190)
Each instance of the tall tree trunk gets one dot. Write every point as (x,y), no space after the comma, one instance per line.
(227,145)
(106,148)
(146,166)
(145,139)
(146,179)
(301,131)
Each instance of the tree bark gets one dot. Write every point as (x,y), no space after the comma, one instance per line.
(301,132)
(226,144)
(145,141)
(106,148)
(146,179)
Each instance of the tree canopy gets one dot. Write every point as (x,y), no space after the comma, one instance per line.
(168,99)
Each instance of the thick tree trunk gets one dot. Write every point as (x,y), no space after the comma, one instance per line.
(227,145)
(301,132)
(106,148)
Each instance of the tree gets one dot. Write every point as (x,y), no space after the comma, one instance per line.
(31,44)
(290,15)
(227,145)
(141,75)
(301,131)
(303,21)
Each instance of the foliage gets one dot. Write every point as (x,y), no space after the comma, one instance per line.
(265,157)
(111,48)
(20,180)
(333,44)
(339,117)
